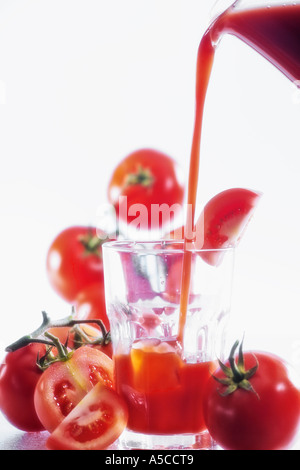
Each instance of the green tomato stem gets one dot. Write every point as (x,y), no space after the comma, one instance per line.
(47,323)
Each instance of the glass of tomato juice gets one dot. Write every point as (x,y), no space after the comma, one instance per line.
(162,372)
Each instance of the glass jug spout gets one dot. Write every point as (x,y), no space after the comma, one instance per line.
(221,6)
(271,27)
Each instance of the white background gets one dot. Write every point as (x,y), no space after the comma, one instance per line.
(85,82)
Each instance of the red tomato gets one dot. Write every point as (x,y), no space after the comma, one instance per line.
(90,304)
(96,422)
(225,218)
(265,418)
(74,261)
(63,385)
(19,375)
(222,222)
(146,177)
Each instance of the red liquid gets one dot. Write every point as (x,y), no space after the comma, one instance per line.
(274,32)
(163,393)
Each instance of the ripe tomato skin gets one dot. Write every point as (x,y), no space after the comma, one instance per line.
(221,223)
(90,304)
(63,385)
(96,422)
(224,220)
(70,267)
(161,185)
(245,421)
(19,375)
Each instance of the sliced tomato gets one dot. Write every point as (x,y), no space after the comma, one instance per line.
(226,216)
(223,222)
(94,424)
(63,385)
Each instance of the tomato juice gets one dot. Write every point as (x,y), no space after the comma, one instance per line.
(163,393)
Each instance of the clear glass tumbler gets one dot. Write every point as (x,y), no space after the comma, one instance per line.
(161,378)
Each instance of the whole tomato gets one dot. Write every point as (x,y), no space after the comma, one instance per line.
(74,261)
(147,179)
(19,375)
(252,404)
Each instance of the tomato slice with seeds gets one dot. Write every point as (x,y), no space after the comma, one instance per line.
(64,384)
(94,424)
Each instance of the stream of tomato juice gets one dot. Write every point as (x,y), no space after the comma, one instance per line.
(274,32)
(205,59)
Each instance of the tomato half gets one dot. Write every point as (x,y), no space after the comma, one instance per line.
(63,385)
(74,261)
(266,418)
(146,177)
(96,422)
(19,375)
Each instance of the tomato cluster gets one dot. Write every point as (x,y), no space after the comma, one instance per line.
(44,385)
(145,178)
(67,387)
(61,377)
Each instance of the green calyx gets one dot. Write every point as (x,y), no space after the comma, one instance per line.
(92,244)
(236,376)
(63,353)
(143,176)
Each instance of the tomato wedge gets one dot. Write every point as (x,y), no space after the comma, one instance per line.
(94,424)
(222,222)
(227,215)
(63,385)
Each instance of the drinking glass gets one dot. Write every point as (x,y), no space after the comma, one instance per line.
(162,378)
